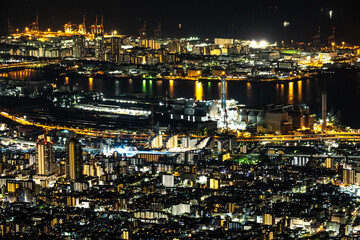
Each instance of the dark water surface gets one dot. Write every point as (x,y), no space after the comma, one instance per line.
(343,90)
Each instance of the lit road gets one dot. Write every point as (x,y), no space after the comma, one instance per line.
(23,144)
(355,136)
(30,144)
(88,132)
(21,65)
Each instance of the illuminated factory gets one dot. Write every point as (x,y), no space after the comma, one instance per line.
(73,41)
(263,60)
(79,41)
(70,29)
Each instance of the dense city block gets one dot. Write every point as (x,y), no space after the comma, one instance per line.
(111,136)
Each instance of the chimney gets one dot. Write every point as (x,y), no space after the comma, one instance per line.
(324,110)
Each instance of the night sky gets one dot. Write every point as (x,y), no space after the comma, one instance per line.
(253,19)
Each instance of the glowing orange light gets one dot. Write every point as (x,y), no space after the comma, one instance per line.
(91,87)
(171,88)
(198,91)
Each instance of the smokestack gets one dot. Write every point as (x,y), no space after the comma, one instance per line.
(223,92)
(324,110)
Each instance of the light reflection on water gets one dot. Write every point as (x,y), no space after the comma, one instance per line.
(299,90)
(342,93)
(20,74)
(91,84)
(199,91)
(171,88)
(291,93)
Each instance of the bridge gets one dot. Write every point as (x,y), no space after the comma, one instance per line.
(318,137)
(20,66)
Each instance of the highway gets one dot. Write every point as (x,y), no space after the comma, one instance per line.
(128,152)
(344,136)
(314,156)
(88,132)
(354,136)
(30,144)
(14,66)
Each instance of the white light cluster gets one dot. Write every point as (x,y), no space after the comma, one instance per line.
(259,44)
(120,111)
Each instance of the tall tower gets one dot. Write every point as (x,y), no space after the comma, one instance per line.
(223,99)
(157,31)
(331,38)
(10,28)
(223,92)
(35,25)
(37,22)
(324,110)
(82,27)
(142,31)
(44,155)
(73,159)
(317,38)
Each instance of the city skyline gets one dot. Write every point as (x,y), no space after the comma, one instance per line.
(249,20)
(177,120)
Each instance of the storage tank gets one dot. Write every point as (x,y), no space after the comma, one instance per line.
(260,117)
(243,116)
(252,117)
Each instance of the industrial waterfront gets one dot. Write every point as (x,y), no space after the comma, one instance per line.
(343,87)
(109,135)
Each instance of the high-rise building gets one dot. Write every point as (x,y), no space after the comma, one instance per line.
(99,48)
(168,180)
(44,155)
(79,46)
(268,219)
(171,142)
(348,176)
(115,48)
(156,141)
(329,163)
(214,183)
(73,159)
